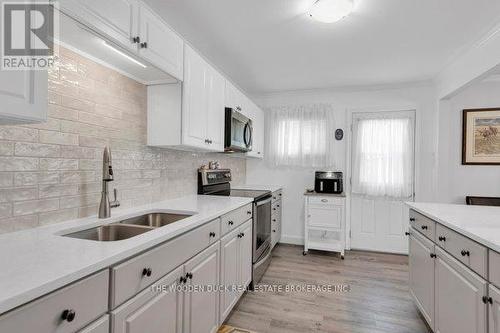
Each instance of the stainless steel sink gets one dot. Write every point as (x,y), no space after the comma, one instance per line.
(156,220)
(111,232)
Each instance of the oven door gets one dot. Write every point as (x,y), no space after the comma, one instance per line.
(261,227)
(238,132)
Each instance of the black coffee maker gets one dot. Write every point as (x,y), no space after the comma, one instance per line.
(328,182)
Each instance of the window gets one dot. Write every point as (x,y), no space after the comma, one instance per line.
(383,156)
(300,136)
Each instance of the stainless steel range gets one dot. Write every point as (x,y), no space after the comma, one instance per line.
(217,182)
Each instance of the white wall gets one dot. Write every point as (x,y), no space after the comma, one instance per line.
(419,97)
(457,180)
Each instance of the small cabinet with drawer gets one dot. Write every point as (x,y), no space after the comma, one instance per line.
(64,311)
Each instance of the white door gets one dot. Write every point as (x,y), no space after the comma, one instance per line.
(230,272)
(382,161)
(115,18)
(421,266)
(194,106)
(459,307)
(159,44)
(494,310)
(201,308)
(215,122)
(246,255)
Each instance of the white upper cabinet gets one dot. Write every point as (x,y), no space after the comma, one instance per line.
(115,18)
(23,96)
(133,26)
(257,116)
(215,118)
(235,99)
(159,44)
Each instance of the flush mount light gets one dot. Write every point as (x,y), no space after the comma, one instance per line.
(123,54)
(329,11)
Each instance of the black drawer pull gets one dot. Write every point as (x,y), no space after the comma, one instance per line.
(424,227)
(249,212)
(189,276)
(442,239)
(230,222)
(465,253)
(212,234)
(433,255)
(412,219)
(407,233)
(274,230)
(182,280)
(487,300)
(68,315)
(147,272)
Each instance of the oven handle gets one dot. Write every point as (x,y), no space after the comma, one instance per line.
(263,202)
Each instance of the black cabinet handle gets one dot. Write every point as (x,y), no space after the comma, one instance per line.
(280,194)
(274,230)
(424,227)
(274,220)
(274,198)
(433,255)
(487,300)
(144,45)
(239,235)
(147,272)
(182,280)
(465,253)
(68,315)
(407,233)
(212,234)
(242,234)
(442,239)
(189,276)
(230,222)
(249,212)
(412,219)
(274,208)
(277,205)
(136,40)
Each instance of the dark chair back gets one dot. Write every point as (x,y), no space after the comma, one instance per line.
(482,201)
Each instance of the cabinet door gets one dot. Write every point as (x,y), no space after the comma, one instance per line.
(201,308)
(421,266)
(230,272)
(458,297)
(494,310)
(215,122)
(194,102)
(115,18)
(329,216)
(155,310)
(99,326)
(23,96)
(246,254)
(160,44)
(232,99)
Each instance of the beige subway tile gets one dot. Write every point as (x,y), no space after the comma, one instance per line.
(5,210)
(151,173)
(77,103)
(77,177)
(36,149)
(89,164)
(6,148)
(35,206)
(108,111)
(58,138)
(58,164)
(60,112)
(88,211)
(95,142)
(54,98)
(80,200)
(89,188)
(57,216)
(6,179)
(36,178)
(51,124)
(79,152)
(18,194)
(57,190)
(18,163)
(12,133)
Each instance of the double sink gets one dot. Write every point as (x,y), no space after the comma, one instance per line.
(128,228)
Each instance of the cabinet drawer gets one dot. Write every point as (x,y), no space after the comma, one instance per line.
(277,196)
(276,208)
(494,268)
(136,274)
(87,299)
(464,249)
(318,200)
(99,326)
(423,224)
(233,219)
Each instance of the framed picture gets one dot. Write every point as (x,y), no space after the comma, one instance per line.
(481,137)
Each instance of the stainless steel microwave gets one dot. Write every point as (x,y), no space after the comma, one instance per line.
(238,132)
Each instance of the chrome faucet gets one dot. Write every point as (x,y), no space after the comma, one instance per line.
(107,176)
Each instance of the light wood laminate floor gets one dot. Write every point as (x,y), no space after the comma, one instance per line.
(378,300)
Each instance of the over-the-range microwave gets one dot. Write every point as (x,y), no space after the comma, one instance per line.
(237,132)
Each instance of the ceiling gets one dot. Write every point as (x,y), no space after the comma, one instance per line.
(272,45)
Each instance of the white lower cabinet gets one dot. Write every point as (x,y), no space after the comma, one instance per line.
(201,307)
(157,309)
(236,266)
(494,310)
(421,266)
(99,326)
(459,296)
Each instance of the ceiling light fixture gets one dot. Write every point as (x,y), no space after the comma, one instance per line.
(123,54)
(329,11)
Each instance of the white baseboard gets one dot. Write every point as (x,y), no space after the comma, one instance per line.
(294,240)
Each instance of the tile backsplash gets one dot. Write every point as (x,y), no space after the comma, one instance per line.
(51,172)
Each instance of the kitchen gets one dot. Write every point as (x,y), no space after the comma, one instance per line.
(163,176)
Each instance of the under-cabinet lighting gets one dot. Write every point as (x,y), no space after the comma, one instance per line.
(123,54)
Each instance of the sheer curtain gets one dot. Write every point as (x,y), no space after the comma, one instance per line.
(383,155)
(300,136)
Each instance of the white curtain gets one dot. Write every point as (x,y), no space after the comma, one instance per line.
(300,136)
(383,155)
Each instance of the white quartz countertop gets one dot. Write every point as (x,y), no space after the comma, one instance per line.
(479,223)
(257,187)
(37,261)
